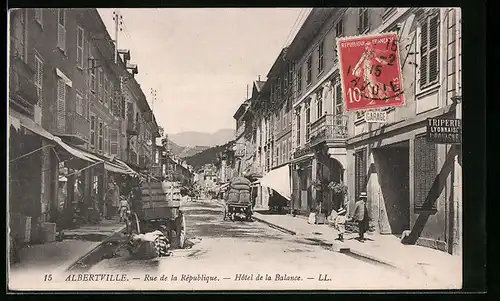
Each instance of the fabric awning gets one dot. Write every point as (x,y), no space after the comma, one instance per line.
(279,180)
(108,165)
(124,165)
(39,130)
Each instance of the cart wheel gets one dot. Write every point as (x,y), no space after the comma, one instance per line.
(134,225)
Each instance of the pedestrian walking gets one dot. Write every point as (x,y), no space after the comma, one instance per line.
(360,215)
(108,201)
(124,207)
(339,223)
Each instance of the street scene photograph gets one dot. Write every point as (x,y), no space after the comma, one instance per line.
(202,149)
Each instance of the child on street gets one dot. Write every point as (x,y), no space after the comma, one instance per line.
(339,223)
(124,207)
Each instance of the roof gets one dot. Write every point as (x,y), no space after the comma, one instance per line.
(259,85)
(241,109)
(278,63)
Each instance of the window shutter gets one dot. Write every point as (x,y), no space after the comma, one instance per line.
(433,47)
(39,79)
(425,172)
(92,130)
(423,52)
(61,37)
(61,105)
(360,171)
(79,46)
(79,104)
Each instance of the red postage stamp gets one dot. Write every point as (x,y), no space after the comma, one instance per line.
(371,72)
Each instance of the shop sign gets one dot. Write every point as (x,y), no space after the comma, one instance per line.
(376,116)
(370,71)
(303,151)
(444,130)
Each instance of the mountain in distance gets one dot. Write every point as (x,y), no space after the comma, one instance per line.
(207,156)
(185,151)
(195,139)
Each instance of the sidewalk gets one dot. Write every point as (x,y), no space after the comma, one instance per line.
(441,266)
(59,255)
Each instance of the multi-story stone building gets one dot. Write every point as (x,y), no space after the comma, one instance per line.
(412,184)
(64,77)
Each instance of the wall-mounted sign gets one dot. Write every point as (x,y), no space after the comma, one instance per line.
(370,71)
(376,116)
(444,130)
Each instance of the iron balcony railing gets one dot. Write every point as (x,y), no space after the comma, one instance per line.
(74,124)
(329,128)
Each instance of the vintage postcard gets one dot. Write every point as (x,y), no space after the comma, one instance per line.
(234,149)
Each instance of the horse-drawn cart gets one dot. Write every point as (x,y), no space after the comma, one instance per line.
(159,209)
(238,201)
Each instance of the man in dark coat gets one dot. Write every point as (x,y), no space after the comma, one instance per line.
(360,215)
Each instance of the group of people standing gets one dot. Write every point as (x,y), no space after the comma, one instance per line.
(360,216)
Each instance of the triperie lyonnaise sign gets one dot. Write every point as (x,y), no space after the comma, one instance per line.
(370,71)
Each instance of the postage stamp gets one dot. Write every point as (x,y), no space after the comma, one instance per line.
(370,71)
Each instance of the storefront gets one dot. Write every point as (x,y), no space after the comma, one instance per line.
(301,170)
(34,159)
(410,181)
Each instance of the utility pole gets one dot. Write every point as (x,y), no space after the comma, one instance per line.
(118,18)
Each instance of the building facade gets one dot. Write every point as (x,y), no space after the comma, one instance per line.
(412,184)
(64,77)
(302,122)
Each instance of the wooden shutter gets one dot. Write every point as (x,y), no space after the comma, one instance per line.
(79,104)
(425,159)
(79,46)
(61,30)
(433,47)
(92,130)
(39,79)
(360,171)
(61,105)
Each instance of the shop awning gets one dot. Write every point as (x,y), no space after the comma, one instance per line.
(108,165)
(31,125)
(278,180)
(303,158)
(124,165)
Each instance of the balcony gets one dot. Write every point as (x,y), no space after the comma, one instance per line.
(330,129)
(132,128)
(74,128)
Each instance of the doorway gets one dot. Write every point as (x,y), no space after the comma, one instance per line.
(393,173)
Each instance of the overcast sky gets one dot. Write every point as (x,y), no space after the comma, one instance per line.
(201,60)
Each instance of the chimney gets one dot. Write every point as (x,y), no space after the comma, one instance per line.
(259,78)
